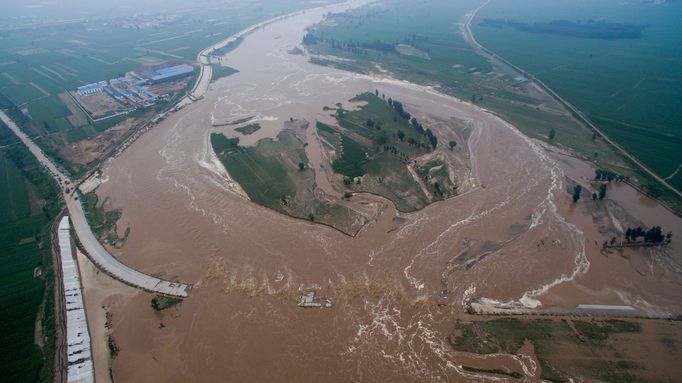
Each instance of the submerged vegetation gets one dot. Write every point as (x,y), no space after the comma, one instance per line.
(248,129)
(160,302)
(563,348)
(103,220)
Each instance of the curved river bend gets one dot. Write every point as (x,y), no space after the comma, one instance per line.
(397,287)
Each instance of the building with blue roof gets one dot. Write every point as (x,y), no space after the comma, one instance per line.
(168,73)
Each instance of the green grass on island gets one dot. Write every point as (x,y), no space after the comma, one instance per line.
(103,220)
(373,146)
(248,129)
(275,174)
(160,302)
(372,149)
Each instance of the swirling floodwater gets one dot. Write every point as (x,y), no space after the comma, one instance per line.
(397,287)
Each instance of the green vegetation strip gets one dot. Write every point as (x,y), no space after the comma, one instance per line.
(248,129)
(160,302)
(30,201)
(219,71)
(260,173)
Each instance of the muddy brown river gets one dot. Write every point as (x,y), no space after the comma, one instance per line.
(512,237)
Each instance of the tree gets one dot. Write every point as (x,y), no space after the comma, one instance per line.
(654,235)
(401,135)
(552,134)
(452,144)
(301,166)
(594,196)
(381,138)
(432,138)
(602,191)
(576,193)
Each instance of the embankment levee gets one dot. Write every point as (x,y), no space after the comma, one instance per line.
(574,111)
(203,57)
(484,307)
(95,251)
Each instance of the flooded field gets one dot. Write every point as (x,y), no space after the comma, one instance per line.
(513,237)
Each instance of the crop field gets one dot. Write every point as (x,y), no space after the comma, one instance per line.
(376,141)
(14,203)
(452,65)
(422,43)
(275,174)
(28,201)
(629,87)
(265,178)
(393,38)
(41,63)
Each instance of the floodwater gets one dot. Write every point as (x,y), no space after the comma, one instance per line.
(513,237)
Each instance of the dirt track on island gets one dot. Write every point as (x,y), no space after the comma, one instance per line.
(513,237)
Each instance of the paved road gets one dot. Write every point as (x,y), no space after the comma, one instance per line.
(469,36)
(96,252)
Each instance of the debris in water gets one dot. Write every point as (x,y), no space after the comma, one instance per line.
(308,300)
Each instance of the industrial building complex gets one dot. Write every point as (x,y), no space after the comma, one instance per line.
(137,89)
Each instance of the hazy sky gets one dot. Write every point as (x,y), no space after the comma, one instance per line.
(73,9)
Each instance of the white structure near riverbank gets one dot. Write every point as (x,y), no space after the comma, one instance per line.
(79,354)
(95,251)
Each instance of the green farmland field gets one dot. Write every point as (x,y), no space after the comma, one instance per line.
(629,87)
(28,203)
(40,62)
